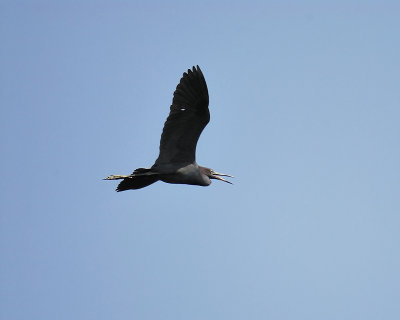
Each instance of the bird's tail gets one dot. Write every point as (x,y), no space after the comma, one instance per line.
(140,178)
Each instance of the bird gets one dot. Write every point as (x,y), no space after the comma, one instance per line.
(176,163)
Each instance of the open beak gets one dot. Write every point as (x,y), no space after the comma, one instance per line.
(216,175)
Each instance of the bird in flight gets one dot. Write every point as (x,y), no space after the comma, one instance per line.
(176,162)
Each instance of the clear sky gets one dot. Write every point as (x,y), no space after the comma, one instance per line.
(305,110)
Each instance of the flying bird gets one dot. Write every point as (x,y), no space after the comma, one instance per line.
(176,162)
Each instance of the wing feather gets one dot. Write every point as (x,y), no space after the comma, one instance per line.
(188,117)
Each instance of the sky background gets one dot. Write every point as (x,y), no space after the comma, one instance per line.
(305,109)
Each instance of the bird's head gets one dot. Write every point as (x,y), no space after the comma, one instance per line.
(211,174)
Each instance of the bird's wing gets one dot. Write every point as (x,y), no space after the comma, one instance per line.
(188,117)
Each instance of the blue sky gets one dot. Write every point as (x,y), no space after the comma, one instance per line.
(305,108)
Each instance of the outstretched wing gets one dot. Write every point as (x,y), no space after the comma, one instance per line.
(188,117)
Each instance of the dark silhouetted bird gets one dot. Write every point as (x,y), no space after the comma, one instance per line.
(176,162)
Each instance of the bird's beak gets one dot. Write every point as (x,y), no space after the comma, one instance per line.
(216,175)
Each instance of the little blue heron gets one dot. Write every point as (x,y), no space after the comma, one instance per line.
(176,162)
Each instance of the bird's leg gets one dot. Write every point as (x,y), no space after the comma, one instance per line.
(116,177)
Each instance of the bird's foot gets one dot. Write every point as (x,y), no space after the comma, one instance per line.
(115,177)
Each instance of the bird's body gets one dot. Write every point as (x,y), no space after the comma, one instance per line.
(189,174)
(176,162)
